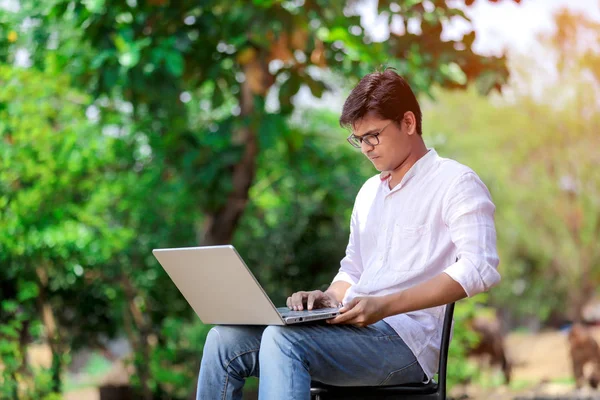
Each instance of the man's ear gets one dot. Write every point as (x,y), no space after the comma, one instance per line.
(410,122)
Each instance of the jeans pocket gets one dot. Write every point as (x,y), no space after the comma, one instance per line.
(412,373)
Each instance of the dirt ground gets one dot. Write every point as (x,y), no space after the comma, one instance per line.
(542,357)
(542,369)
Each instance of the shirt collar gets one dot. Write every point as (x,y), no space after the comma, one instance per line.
(422,164)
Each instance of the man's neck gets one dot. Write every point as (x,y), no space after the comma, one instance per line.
(397,174)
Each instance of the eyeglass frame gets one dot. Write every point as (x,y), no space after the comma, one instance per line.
(366,136)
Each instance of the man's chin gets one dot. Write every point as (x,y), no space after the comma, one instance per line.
(379,167)
(376,164)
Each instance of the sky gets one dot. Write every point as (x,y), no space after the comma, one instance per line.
(498,26)
(515,26)
(503,27)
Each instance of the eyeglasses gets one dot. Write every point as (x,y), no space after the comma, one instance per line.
(372,139)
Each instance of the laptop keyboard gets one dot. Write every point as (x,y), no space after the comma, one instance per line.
(286,312)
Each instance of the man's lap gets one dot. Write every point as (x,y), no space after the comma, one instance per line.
(333,354)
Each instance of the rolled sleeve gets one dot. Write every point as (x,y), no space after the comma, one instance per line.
(351,266)
(469,215)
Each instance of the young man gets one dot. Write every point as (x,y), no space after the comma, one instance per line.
(409,226)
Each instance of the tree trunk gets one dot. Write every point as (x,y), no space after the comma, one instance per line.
(219,226)
(51,329)
(140,344)
(23,342)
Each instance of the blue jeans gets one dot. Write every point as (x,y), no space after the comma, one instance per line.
(287,358)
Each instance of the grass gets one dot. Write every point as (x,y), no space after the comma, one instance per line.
(567,380)
(493,379)
(520,384)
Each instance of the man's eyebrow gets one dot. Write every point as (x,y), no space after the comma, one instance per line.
(372,131)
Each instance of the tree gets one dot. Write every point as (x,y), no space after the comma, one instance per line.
(536,149)
(55,224)
(77,229)
(159,54)
(568,219)
(188,139)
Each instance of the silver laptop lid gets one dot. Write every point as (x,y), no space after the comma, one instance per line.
(218,285)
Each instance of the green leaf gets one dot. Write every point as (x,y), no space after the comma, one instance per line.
(109,77)
(174,63)
(454,73)
(316,87)
(121,44)
(27,290)
(94,6)
(486,82)
(8,331)
(288,89)
(217,98)
(338,33)
(264,3)
(10,306)
(410,3)
(129,59)
(101,58)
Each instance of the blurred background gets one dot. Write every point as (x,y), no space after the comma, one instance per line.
(128,125)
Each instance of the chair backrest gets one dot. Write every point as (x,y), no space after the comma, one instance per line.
(446,330)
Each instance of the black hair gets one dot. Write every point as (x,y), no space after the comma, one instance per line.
(386,94)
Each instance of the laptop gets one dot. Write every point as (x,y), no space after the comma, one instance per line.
(221,289)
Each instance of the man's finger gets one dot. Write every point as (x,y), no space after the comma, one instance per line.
(345,318)
(297,300)
(288,302)
(311,300)
(349,306)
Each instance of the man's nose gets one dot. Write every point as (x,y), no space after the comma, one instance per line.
(365,147)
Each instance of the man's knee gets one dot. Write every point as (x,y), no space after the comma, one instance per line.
(231,348)
(213,345)
(221,338)
(279,339)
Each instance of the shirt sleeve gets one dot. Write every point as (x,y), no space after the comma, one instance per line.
(469,214)
(351,266)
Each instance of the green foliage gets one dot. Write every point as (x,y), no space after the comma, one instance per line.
(50,159)
(170,367)
(463,338)
(301,203)
(149,53)
(539,161)
(9,351)
(175,95)
(17,380)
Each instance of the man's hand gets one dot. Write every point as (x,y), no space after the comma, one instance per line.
(314,299)
(361,311)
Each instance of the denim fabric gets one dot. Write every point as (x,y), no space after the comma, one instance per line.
(287,358)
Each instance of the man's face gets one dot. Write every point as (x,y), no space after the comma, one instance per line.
(395,140)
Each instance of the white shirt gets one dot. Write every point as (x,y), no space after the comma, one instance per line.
(399,238)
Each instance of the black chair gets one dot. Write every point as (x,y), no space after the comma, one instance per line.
(420,391)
